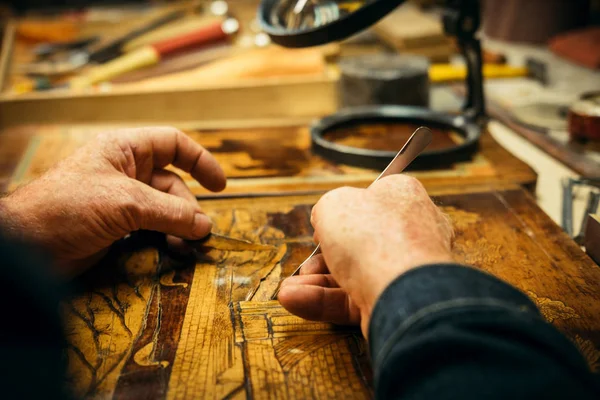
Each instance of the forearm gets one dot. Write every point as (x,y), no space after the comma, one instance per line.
(31,339)
(449,331)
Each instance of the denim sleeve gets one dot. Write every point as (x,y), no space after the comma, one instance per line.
(31,337)
(453,332)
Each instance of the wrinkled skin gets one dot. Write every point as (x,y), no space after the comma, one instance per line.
(368,238)
(114,185)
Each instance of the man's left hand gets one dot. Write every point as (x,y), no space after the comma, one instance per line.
(113,185)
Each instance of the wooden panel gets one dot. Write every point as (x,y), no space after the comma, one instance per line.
(276,159)
(271,98)
(148,325)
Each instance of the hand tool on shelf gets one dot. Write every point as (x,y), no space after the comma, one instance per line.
(57,58)
(414,146)
(113,49)
(568,186)
(44,51)
(79,55)
(171,30)
(440,73)
(179,63)
(152,54)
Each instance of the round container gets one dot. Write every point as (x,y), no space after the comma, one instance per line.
(384,79)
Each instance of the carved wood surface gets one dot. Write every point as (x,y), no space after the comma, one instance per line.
(149,324)
(278,159)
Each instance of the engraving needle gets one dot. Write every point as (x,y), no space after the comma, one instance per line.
(416,143)
(298,9)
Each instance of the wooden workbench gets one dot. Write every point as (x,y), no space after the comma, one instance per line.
(271,159)
(149,324)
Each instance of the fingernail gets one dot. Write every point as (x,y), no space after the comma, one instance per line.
(202,225)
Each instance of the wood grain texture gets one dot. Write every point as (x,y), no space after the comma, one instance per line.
(149,324)
(278,159)
(296,97)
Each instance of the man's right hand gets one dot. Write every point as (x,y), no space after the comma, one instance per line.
(368,238)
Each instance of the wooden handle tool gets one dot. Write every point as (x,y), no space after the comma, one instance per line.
(172,30)
(114,49)
(152,54)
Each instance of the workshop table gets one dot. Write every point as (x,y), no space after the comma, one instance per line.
(150,324)
(272,159)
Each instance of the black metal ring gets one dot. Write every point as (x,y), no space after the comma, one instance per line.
(340,29)
(389,114)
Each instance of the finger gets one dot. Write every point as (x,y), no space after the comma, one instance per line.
(162,212)
(316,265)
(178,245)
(166,146)
(324,280)
(170,182)
(317,303)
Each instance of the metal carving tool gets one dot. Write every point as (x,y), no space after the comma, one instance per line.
(221,242)
(297,11)
(414,146)
(299,7)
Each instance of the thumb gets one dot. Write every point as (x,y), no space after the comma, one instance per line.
(172,215)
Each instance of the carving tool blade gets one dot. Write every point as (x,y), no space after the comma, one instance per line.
(220,242)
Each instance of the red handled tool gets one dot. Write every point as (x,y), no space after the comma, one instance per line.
(154,53)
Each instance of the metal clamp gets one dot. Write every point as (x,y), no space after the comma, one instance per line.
(568,185)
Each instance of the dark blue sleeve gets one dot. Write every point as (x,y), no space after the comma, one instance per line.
(31,337)
(454,332)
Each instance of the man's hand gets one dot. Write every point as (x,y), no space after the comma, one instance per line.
(114,185)
(368,238)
